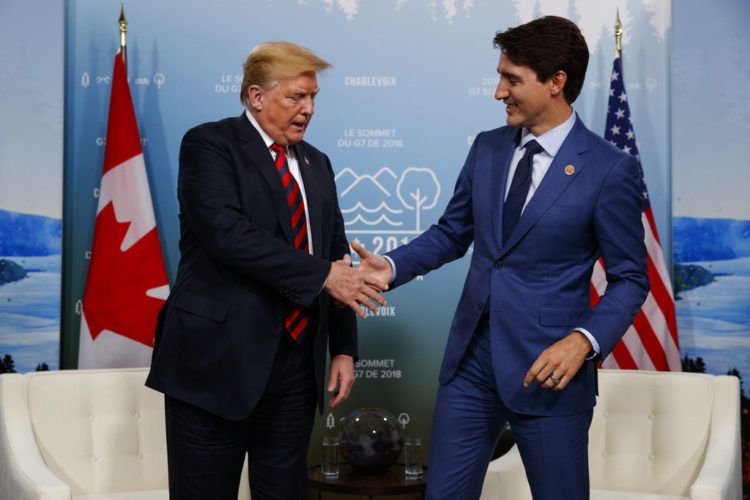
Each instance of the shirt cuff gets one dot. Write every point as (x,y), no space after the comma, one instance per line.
(594,343)
(393,268)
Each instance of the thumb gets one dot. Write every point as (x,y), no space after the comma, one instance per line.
(332,381)
(357,247)
(347,259)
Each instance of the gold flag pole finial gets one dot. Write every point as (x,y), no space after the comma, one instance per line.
(123,34)
(618,34)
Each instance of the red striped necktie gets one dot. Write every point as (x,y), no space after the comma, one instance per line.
(297,321)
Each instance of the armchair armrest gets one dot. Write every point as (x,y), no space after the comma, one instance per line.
(506,478)
(720,478)
(23,473)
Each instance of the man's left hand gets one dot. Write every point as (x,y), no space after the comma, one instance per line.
(559,363)
(342,375)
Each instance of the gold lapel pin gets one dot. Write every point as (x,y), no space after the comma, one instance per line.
(569,169)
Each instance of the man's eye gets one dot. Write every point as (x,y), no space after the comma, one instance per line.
(295,98)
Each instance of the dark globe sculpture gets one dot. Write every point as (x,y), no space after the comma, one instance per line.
(371,439)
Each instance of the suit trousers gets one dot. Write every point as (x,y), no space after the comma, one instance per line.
(469,415)
(206,452)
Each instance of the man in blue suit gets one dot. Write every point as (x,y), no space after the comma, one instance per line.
(541,199)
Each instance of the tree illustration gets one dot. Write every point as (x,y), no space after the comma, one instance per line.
(7,365)
(418,189)
(696,365)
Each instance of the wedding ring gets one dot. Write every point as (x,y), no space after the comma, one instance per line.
(554,379)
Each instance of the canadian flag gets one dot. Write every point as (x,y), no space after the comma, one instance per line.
(127,283)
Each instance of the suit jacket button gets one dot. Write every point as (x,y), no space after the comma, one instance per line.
(498,264)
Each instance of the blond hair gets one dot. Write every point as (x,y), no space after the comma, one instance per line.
(270,62)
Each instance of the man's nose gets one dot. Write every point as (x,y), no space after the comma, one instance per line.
(308,107)
(501,92)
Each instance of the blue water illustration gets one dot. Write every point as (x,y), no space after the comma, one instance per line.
(714,320)
(30,314)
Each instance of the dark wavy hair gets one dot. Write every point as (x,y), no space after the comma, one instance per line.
(547,45)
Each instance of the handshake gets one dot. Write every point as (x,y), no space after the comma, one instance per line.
(353,288)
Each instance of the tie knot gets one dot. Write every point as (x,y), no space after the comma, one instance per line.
(532,148)
(277,148)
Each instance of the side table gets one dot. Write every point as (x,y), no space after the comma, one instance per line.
(388,482)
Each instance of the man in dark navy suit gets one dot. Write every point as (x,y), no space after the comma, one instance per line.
(241,343)
(541,200)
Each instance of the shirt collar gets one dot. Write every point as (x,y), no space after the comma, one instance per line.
(290,150)
(552,139)
(266,138)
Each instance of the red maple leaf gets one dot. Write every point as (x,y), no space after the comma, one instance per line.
(115,297)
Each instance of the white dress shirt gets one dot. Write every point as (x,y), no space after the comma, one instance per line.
(293,165)
(550,141)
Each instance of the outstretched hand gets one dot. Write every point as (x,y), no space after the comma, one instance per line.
(373,264)
(352,288)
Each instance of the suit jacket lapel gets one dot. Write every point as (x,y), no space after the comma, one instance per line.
(253,146)
(313,210)
(555,181)
(499,167)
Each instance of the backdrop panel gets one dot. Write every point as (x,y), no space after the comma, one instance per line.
(31,148)
(412,84)
(712,184)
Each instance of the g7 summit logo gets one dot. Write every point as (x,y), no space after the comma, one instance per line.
(386,205)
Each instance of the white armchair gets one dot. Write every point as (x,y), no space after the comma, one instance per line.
(83,435)
(654,436)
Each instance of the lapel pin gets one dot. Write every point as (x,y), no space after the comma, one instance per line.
(569,169)
(307,162)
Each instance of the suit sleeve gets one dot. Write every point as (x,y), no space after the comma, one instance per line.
(445,241)
(210,201)
(620,238)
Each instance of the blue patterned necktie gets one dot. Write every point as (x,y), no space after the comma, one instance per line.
(519,189)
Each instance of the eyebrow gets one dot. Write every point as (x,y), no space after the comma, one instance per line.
(303,92)
(509,74)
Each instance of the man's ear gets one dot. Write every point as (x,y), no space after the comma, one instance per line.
(255,97)
(557,82)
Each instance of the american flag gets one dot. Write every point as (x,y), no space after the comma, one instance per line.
(651,342)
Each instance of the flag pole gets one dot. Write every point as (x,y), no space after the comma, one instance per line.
(123,35)
(618,36)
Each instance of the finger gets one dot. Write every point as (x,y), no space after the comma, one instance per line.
(345,388)
(347,259)
(374,282)
(363,300)
(333,403)
(553,383)
(529,377)
(354,306)
(374,295)
(336,399)
(361,251)
(563,382)
(533,371)
(544,374)
(332,381)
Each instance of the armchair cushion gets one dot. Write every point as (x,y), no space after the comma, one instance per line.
(654,435)
(84,435)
